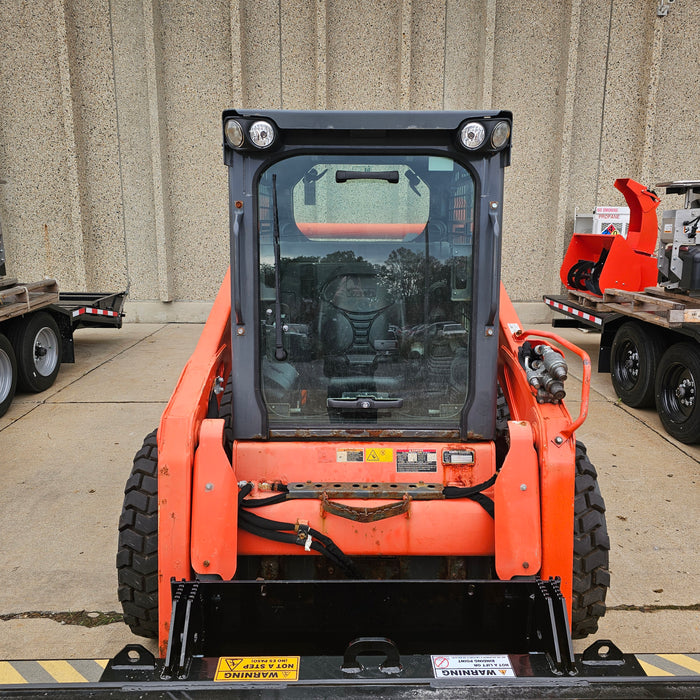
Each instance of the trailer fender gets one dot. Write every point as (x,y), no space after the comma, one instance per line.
(517,526)
(214,504)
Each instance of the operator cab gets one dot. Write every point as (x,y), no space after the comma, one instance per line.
(365,257)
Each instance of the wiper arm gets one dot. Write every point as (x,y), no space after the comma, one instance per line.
(280,352)
(388,175)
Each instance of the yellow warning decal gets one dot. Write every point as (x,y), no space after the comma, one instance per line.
(257,668)
(379,454)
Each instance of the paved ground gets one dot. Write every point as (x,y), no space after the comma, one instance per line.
(66,454)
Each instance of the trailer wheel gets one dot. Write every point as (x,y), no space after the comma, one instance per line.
(635,355)
(591,549)
(677,386)
(137,553)
(37,344)
(8,374)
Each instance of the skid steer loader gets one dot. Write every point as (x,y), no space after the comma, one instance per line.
(366,455)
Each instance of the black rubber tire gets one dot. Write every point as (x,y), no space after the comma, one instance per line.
(37,343)
(8,374)
(137,552)
(591,549)
(634,357)
(677,387)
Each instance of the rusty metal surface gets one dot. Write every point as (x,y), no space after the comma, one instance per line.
(363,514)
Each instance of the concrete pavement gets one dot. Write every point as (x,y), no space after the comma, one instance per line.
(66,454)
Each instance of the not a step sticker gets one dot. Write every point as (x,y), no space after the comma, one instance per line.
(257,668)
(473,666)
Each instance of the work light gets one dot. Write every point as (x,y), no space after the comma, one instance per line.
(262,134)
(472,135)
(234,133)
(500,134)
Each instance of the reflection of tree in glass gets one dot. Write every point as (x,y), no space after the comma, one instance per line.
(404,277)
(342,256)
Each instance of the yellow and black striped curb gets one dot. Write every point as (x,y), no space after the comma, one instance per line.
(670,664)
(90,670)
(42,672)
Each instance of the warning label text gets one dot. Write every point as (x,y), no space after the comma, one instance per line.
(257,668)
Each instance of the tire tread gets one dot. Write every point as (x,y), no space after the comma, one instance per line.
(137,552)
(591,549)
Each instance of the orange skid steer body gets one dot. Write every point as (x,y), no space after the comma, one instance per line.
(366,455)
(198,483)
(364,426)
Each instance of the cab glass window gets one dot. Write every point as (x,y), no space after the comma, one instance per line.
(367,262)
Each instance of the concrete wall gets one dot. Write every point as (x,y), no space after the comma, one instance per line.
(110,109)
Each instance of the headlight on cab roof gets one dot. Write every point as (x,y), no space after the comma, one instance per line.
(472,135)
(500,135)
(261,134)
(234,133)
(484,135)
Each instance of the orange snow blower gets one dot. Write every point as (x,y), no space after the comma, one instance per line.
(598,261)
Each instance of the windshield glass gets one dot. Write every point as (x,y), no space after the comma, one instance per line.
(373,289)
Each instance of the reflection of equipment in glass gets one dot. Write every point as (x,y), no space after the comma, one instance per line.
(356,322)
(310,180)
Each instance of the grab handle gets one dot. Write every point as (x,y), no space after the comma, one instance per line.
(495,266)
(237,216)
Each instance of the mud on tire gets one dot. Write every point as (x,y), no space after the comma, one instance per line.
(137,553)
(591,549)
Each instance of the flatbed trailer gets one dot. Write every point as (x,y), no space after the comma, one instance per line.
(649,343)
(37,323)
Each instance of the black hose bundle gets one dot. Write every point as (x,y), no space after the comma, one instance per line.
(289,533)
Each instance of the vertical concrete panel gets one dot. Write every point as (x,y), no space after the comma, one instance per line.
(676,128)
(591,71)
(527,79)
(299,46)
(364,54)
(427,54)
(468,60)
(626,91)
(196,59)
(136,173)
(236,39)
(38,205)
(261,53)
(95,120)
(565,121)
